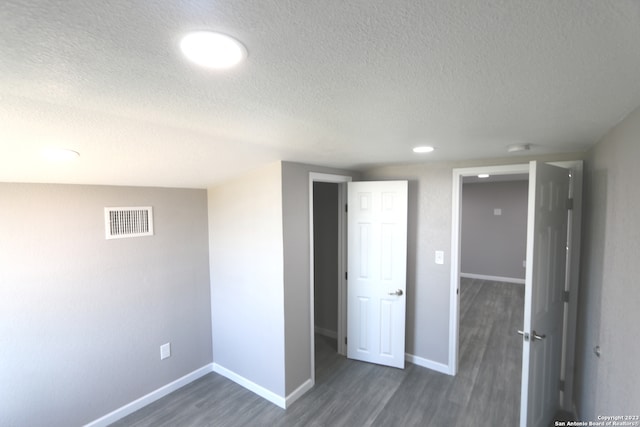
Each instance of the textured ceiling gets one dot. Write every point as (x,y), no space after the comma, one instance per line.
(336,83)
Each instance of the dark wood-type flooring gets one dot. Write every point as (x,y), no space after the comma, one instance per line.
(485,392)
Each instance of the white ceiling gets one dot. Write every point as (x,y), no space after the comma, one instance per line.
(339,83)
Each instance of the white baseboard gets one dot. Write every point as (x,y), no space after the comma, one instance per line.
(251,386)
(429,364)
(297,393)
(145,400)
(494,278)
(326,332)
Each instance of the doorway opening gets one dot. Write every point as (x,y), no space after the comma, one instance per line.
(574,170)
(326,240)
(493,236)
(328,252)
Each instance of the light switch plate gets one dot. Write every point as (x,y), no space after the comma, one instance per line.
(439,257)
(165,351)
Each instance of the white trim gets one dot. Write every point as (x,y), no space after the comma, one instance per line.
(297,393)
(454,297)
(342,267)
(326,332)
(149,398)
(429,364)
(327,177)
(492,278)
(338,179)
(251,386)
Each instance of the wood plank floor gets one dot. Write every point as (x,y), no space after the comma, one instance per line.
(486,390)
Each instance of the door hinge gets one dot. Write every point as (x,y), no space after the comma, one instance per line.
(565,296)
(561,385)
(345,340)
(346,275)
(570,204)
(346,208)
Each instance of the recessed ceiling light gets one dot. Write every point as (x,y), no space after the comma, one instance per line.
(212,50)
(483,175)
(515,148)
(423,149)
(59,154)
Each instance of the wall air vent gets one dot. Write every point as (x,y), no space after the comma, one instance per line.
(128,222)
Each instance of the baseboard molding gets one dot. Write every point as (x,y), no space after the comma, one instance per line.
(493,278)
(145,400)
(429,364)
(251,386)
(326,332)
(297,393)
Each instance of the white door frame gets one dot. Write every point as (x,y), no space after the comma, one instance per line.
(454,295)
(572,271)
(342,262)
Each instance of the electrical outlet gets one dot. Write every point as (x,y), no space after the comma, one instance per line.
(439,257)
(497,211)
(165,351)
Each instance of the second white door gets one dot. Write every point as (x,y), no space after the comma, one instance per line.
(544,303)
(377,260)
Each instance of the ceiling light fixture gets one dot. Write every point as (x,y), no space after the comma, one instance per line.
(59,154)
(515,148)
(212,50)
(423,149)
(483,175)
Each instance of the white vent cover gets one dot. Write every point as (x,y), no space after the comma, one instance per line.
(128,222)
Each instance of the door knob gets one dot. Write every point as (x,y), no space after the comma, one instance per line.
(397,293)
(534,336)
(524,334)
(537,337)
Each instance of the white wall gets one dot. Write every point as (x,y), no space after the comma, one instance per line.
(609,301)
(82,318)
(247,282)
(494,245)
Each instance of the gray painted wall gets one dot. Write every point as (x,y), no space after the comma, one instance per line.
(609,302)
(260,279)
(82,318)
(429,229)
(247,293)
(494,245)
(325,240)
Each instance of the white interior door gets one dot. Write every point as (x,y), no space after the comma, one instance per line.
(377,265)
(544,305)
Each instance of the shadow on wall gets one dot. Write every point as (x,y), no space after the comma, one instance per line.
(590,294)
